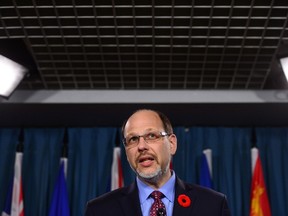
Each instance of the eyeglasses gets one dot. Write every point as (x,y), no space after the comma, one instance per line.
(150,137)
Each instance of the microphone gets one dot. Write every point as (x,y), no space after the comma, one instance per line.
(161,212)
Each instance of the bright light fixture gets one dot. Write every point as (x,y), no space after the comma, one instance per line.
(284,64)
(11,74)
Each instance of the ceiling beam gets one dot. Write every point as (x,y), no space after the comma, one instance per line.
(147,96)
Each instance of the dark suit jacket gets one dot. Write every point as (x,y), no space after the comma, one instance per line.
(125,201)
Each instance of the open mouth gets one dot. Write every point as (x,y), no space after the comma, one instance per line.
(146,160)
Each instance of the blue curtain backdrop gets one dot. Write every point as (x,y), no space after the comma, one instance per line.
(90,157)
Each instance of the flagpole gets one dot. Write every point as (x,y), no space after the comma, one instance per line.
(60,200)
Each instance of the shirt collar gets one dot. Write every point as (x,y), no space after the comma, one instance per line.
(167,189)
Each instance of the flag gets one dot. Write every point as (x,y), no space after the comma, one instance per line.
(14,202)
(259,205)
(60,203)
(206,168)
(116,170)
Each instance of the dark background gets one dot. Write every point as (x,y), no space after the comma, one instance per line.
(92,115)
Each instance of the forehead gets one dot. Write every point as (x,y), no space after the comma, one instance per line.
(142,120)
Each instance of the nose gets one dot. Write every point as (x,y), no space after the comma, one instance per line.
(142,145)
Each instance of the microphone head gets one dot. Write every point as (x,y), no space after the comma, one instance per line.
(161,212)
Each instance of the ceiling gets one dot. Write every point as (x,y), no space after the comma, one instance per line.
(163,44)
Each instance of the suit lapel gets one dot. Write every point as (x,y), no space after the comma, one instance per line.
(182,189)
(130,201)
(131,205)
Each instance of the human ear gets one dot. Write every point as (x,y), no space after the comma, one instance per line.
(173,143)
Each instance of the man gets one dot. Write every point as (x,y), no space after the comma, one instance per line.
(149,144)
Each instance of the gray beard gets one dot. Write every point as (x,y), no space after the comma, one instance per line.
(153,177)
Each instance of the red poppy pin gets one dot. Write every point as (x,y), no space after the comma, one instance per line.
(184,200)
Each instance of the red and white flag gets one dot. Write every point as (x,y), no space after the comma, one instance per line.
(15,206)
(259,205)
(116,170)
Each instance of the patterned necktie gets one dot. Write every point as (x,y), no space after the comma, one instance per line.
(158,207)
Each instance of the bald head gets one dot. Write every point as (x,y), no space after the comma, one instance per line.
(163,118)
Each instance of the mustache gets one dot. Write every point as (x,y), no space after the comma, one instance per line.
(146,155)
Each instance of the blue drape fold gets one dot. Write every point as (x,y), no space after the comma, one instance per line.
(42,151)
(8,143)
(89,167)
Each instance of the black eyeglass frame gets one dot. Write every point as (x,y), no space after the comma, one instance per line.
(161,133)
